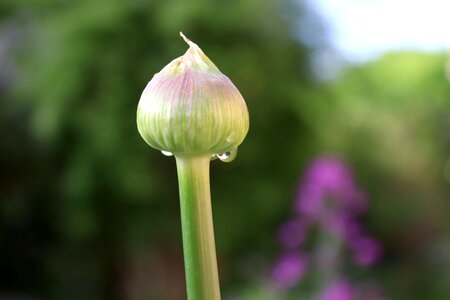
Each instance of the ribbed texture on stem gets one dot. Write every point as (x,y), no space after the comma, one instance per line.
(202,279)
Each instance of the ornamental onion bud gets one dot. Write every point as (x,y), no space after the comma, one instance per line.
(190,108)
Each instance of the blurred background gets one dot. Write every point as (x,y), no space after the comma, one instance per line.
(340,190)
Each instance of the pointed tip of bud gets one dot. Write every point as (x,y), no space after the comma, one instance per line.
(195,57)
(188,41)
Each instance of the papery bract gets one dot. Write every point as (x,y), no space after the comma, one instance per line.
(289,269)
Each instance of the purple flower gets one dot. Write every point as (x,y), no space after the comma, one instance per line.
(292,233)
(289,269)
(366,250)
(341,224)
(329,196)
(328,184)
(339,290)
(329,199)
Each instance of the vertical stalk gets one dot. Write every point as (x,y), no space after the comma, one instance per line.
(202,279)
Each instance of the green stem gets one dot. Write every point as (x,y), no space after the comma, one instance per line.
(202,279)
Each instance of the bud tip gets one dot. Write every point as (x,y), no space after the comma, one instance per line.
(188,41)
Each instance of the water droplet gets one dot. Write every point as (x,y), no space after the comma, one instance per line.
(228,156)
(167,153)
(213,157)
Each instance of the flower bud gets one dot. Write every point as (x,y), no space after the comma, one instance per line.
(191,108)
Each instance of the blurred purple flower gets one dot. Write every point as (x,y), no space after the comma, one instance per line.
(289,269)
(292,233)
(329,198)
(339,290)
(366,251)
(341,224)
(329,182)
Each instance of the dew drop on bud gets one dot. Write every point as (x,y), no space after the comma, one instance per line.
(228,156)
(167,153)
